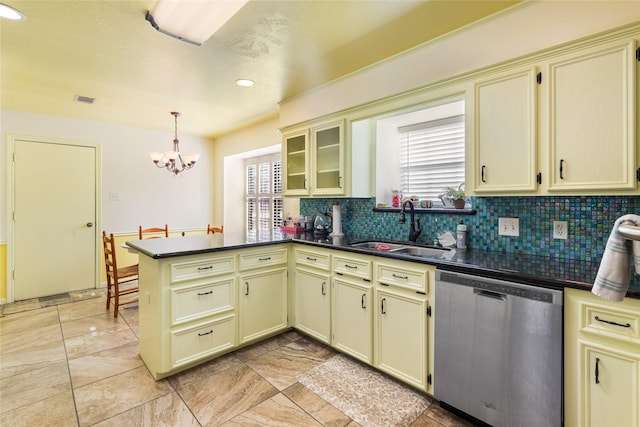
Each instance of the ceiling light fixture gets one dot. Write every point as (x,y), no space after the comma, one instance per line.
(10,13)
(192,22)
(172,160)
(245,82)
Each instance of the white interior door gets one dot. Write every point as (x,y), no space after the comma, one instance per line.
(54,220)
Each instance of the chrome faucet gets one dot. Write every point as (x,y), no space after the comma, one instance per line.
(413,231)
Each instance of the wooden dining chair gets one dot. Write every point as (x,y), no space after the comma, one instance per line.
(212,230)
(118,276)
(153,232)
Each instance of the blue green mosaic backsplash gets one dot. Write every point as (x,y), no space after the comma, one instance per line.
(589,218)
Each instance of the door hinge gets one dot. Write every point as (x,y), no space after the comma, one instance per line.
(539,78)
(429,311)
(429,380)
(13,274)
(539,178)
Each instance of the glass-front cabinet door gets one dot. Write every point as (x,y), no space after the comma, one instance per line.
(296,163)
(327,161)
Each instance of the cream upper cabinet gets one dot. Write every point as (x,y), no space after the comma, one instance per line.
(505,132)
(327,159)
(592,119)
(602,361)
(295,159)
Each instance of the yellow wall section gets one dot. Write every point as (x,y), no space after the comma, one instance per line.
(3,272)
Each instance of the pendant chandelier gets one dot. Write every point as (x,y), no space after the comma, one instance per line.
(173,160)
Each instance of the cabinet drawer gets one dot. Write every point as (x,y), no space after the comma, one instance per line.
(196,269)
(620,322)
(402,276)
(191,302)
(312,259)
(190,344)
(351,266)
(263,258)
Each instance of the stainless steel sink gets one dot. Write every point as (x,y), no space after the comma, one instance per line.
(421,251)
(378,246)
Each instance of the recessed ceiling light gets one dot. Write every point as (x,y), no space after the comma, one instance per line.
(245,82)
(11,13)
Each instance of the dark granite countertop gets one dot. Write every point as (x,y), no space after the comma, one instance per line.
(548,272)
(205,243)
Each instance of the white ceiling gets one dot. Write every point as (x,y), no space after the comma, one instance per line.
(105,49)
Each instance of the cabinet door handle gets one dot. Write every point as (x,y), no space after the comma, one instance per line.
(597,371)
(323,285)
(362,301)
(382,306)
(246,292)
(561,168)
(204,293)
(610,322)
(482,173)
(205,333)
(339,182)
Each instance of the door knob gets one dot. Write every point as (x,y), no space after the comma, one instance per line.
(89,224)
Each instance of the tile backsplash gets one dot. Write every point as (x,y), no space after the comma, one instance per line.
(589,218)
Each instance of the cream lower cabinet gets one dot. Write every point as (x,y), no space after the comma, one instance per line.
(401,322)
(351,306)
(187,311)
(262,301)
(602,361)
(312,288)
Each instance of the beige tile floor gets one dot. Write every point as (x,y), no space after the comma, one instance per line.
(68,362)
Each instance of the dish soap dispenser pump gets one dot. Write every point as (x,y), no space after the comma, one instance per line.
(461,236)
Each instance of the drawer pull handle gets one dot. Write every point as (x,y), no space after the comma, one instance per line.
(264,259)
(597,370)
(382,306)
(205,293)
(246,292)
(205,333)
(205,268)
(312,259)
(323,285)
(628,325)
(350,266)
(397,276)
(362,301)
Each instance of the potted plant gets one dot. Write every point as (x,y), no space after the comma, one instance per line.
(457,194)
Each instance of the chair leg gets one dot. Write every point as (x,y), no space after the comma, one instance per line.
(108,295)
(116,300)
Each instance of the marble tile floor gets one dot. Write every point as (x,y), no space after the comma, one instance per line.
(70,363)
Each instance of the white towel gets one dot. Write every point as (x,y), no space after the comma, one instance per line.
(612,280)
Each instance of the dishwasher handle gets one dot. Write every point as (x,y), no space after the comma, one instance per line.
(489,294)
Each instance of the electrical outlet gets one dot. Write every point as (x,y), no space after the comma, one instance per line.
(560,229)
(509,226)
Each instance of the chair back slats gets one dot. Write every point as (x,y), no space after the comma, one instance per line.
(153,232)
(117,276)
(212,230)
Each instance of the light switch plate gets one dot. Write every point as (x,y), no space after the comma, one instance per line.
(560,229)
(509,227)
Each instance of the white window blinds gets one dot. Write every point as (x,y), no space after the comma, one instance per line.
(263,193)
(432,157)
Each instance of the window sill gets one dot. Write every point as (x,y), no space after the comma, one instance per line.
(439,211)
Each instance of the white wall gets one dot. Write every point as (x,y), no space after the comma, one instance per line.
(148,195)
(530,27)
(229,152)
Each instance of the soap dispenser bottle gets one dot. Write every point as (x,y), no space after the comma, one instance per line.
(461,236)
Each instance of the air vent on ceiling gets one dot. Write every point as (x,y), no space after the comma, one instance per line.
(84,99)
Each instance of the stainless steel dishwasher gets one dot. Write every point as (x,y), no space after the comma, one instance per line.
(498,350)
